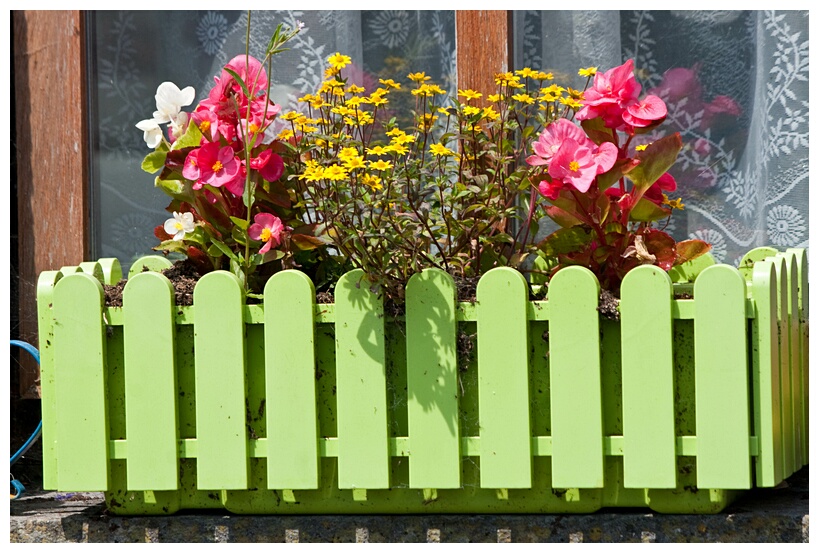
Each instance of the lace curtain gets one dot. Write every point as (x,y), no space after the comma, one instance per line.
(134,51)
(736,86)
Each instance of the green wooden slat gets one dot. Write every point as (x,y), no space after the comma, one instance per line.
(688,271)
(151,419)
(432,381)
(746,264)
(786,404)
(48,406)
(721,380)
(219,342)
(94,269)
(154,263)
(361,385)
(80,384)
(290,382)
(503,380)
(801,258)
(111,270)
(649,458)
(765,367)
(575,394)
(791,333)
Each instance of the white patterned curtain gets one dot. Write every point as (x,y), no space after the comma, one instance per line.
(134,51)
(736,85)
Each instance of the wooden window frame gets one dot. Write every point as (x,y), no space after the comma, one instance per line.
(53,149)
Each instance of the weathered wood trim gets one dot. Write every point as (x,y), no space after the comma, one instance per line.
(483,48)
(52,154)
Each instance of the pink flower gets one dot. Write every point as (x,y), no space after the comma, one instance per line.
(645,112)
(191,168)
(578,164)
(550,189)
(720,105)
(208,123)
(610,94)
(551,138)
(679,83)
(218,166)
(267,228)
(269,165)
(665,183)
(249,69)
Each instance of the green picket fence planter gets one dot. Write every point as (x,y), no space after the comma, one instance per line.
(292,407)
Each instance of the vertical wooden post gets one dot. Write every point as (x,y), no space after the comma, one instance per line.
(483,48)
(52,153)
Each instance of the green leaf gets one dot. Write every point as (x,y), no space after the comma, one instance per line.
(597,131)
(621,168)
(307,242)
(655,160)
(241,223)
(565,240)
(647,211)
(237,269)
(171,187)
(225,249)
(239,80)
(154,161)
(191,139)
(544,265)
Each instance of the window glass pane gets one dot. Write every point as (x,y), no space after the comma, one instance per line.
(132,52)
(736,87)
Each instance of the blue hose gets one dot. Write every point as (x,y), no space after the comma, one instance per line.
(36,354)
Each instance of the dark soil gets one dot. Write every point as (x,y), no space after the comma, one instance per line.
(466,288)
(608,306)
(324,297)
(683,296)
(183,275)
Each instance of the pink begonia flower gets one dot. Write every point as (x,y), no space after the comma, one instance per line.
(645,112)
(610,94)
(191,168)
(218,166)
(268,228)
(208,123)
(249,69)
(550,189)
(269,165)
(665,183)
(679,83)
(578,164)
(551,138)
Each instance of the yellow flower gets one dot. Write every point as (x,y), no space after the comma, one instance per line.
(490,113)
(576,94)
(397,149)
(526,72)
(571,102)
(440,150)
(377,100)
(444,111)
(587,72)
(307,98)
(356,162)
(552,89)
(395,132)
(356,101)
(286,134)
(389,83)
(355,89)
(417,77)
(641,147)
(469,111)
(673,204)
(347,153)
(541,76)
(342,110)
(335,172)
(377,150)
(469,94)
(291,115)
(523,98)
(427,120)
(371,181)
(338,61)
(505,78)
(331,72)
(403,139)
(495,98)
(380,165)
(307,128)
(313,172)
(548,97)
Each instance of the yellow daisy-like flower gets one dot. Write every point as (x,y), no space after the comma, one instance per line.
(338,61)
(356,162)
(490,114)
(291,116)
(348,153)
(286,134)
(576,94)
(469,94)
(417,77)
(378,100)
(307,98)
(440,150)
(641,147)
(552,89)
(526,72)
(469,111)
(495,98)
(548,97)
(444,111)
(331,72)
(313,172)
(335,172)
(377,151)
(399,149)
(571,102)
(342,110)
(307,129)
(673,204)
(389,83)
(523,98)
(373,182)
(541,76)
(403,138)
(505,78)
(587,72)
(395,132)
(380,165)
(355,89)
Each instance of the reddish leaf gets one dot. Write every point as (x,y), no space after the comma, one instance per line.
(563,217)
(199,259)
(307,242)
(621,168)
(662,246)
(159,232)
(690,249)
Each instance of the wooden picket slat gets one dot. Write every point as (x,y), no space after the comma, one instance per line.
(791,333)
(721,380)
(48,407)
(151,420)
(766,384)
(290,382)
(574,368)
(81,406)
(649,451)
(222,462)
(801,258)
(361,385)
(786,392)
(432,381)
(503,380)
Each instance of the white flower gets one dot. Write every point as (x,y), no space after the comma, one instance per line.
(179,225)
(179,124)
(151,132)
(170,100)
